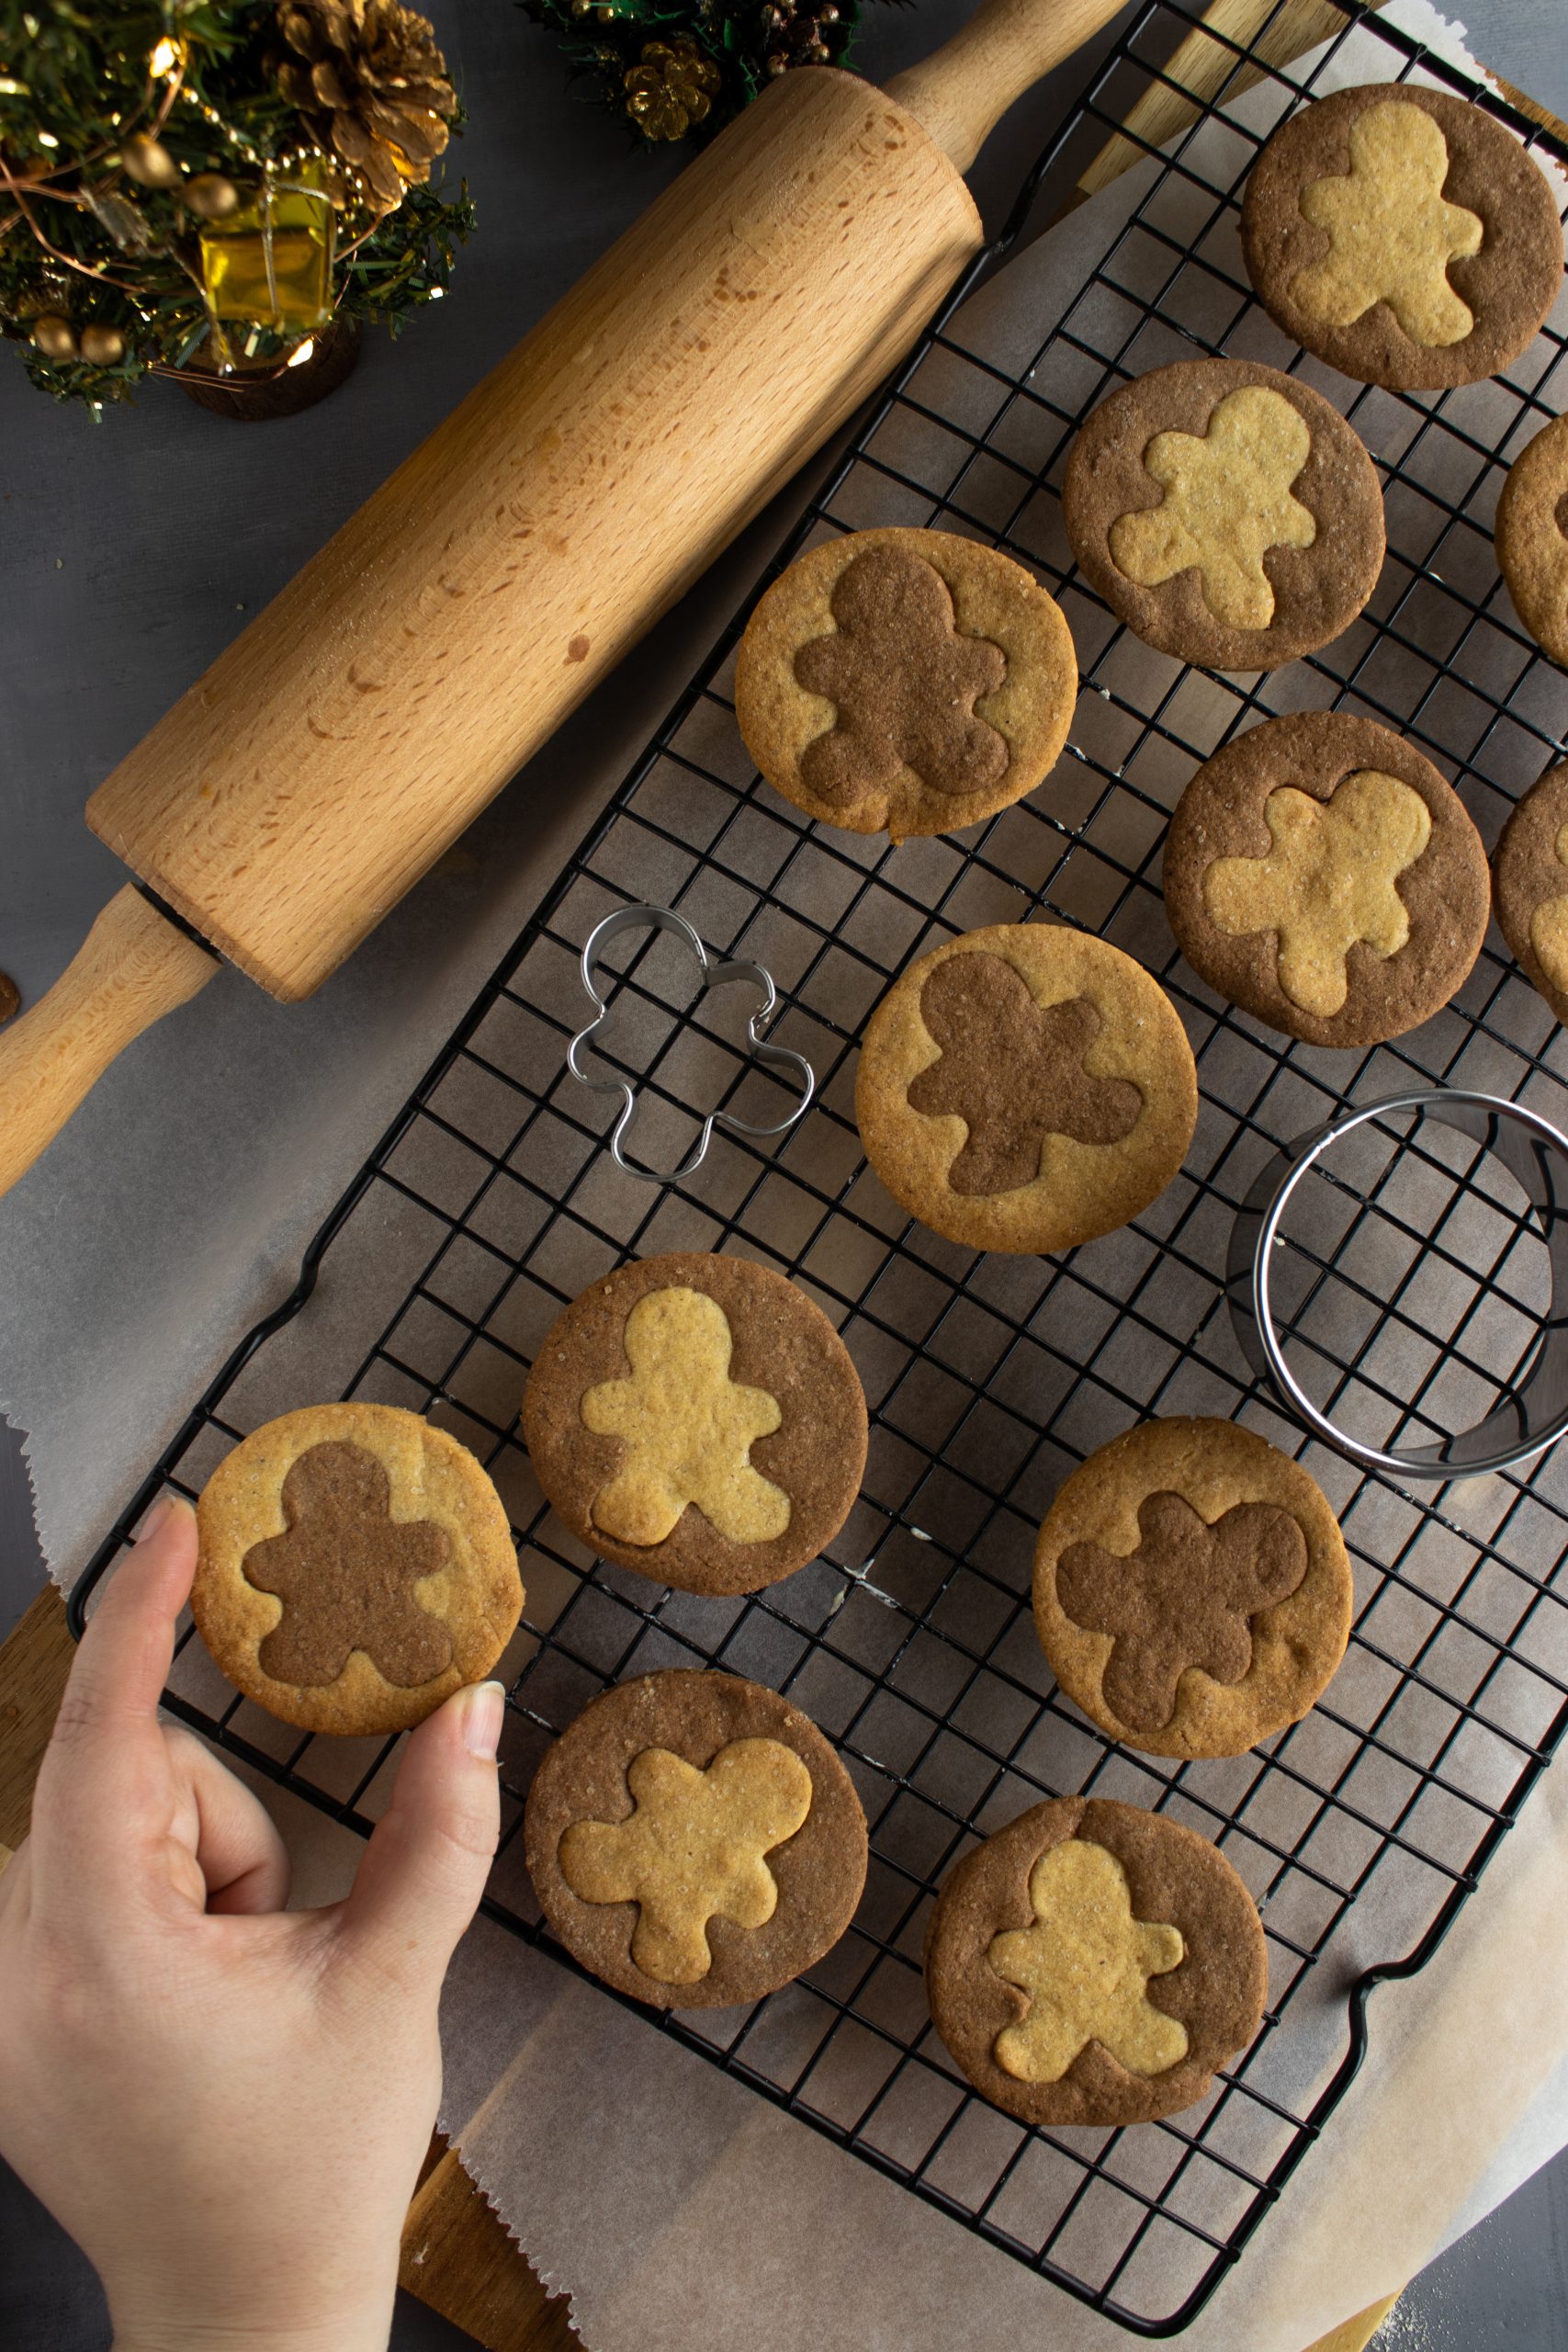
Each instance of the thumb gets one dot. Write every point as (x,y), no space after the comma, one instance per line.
(424,1869)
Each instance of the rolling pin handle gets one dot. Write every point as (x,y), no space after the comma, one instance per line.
(133,966)
(962,92)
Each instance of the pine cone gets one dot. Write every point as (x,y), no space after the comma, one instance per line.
(372,86)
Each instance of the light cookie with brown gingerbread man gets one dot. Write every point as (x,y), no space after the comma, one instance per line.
(1025,1088)
(355,1566)
(906,682)
(1192,1591)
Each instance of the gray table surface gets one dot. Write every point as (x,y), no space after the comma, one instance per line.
(132,551)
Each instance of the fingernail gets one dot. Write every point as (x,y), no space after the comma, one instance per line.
(482,1709)
(153,1518)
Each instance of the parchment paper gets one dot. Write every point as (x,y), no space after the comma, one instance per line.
(665,2198)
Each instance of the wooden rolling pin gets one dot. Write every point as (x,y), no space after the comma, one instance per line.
(328,758)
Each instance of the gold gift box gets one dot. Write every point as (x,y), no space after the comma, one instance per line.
(270,263)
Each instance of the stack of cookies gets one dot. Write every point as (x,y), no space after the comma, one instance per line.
(692,1838)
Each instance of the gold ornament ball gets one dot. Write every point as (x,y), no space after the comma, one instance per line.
(211,195)
(150,162)
(54,336)
(102,346)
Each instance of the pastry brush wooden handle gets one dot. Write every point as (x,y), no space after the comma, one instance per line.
(132,968)
(962,92)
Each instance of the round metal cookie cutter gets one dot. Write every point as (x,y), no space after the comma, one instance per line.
(1524,1421)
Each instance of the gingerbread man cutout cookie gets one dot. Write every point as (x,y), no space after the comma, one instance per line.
(1185,1598)
(904,684)
(1328,884)
(1013,1070)
(1227,501)
(1392,232)
(345,1572)
(1085,1963)
(693,1850)
(688,1429)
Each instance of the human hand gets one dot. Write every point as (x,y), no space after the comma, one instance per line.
(224,2102)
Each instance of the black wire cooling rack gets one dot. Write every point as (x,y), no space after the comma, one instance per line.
(490,1201)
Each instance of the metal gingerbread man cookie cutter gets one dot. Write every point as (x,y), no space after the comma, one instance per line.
(716,972)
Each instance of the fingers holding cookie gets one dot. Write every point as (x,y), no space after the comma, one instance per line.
(693,1840)
(906,682)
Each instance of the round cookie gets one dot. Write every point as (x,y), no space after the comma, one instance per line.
(1404,235)
(1191,1588)
(1094,1963)
(906,682)
(1320,873)
(1025,1088)
(699,1419)
(1529,887)
(694,1841)
(1533,536)
(1226,513)
(355,1566)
